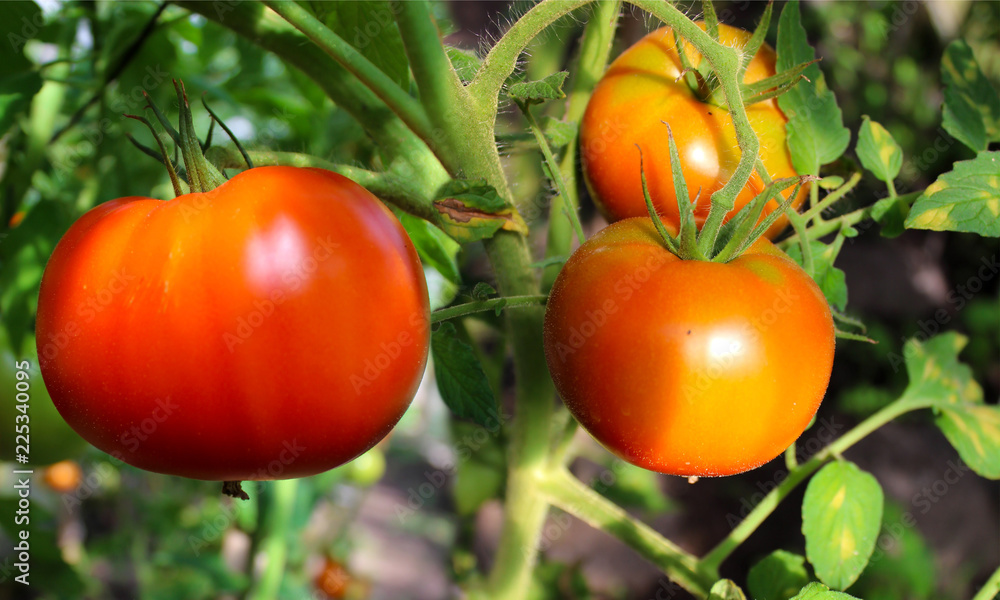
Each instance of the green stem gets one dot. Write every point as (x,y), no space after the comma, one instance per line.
(831,198)
(990,589)
(440,88)
(525,508)
(573,496)
(395,97)
(276,518)
(397,190)
(798,223)
(502,58)
(799,474)
(397,144)
(566,427)
(830,226)
(595,49)
(557,177)
(451,312)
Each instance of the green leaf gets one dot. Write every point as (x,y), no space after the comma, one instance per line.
(559,133)
(878,152)
(902,565)
(818,591)
(816,132)
(971,105)
(483,291)
(480,474)
(829,278)
(936,374)
(537,92)
(778,576)
(23,254)
(371,28)
(967,198)
(841,519)
(890,213)
(726,589)
(551,580)
(435,248)
(460,378)
(19,82)
(466,63)
(974,431)
(472,210)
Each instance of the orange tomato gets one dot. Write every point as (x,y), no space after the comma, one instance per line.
(687,367)
(640,89)
(63,477)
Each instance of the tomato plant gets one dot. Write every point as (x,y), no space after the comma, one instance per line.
(230,335)
(687,367)
(272,320)
(643,89)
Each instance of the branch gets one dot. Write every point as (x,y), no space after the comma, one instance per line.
(573,496)
(395,97)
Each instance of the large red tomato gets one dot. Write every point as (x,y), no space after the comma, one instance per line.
(640,89)
(687,367)
(274,327)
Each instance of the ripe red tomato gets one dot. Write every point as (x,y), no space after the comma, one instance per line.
(687,367)
(275,327)
(640,89)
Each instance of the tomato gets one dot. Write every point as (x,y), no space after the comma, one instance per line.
(334,579)
(687,367)
(50,439)
(63,477)
(641,89)
(274,327)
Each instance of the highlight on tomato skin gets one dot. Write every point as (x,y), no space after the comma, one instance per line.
(643,89)
(687,367)
(274,327)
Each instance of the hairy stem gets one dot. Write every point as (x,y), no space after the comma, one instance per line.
(395,97)
(451,312)
(573,496)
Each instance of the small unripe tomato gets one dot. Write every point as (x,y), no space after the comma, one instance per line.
(642,89)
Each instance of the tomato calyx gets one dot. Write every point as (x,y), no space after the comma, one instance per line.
(736,235)
(199,173)
(704,84)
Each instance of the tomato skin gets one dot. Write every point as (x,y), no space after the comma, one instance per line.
(641,89)
(275,327)
(687,367)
